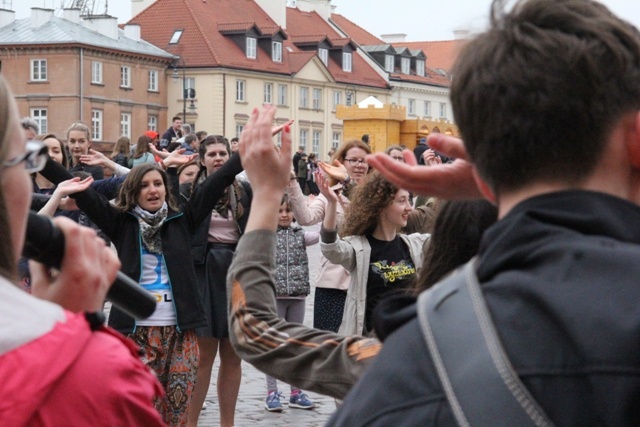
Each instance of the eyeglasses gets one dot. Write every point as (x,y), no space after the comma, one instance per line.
(35,157)
(356,162)
(398,158)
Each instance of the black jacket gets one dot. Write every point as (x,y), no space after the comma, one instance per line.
(560,276)
(124,230)
(199,238)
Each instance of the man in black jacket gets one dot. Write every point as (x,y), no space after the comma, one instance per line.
(547,101)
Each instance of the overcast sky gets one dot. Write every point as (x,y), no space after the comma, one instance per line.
(419,19)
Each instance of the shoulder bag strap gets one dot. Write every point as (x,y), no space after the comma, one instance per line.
(481,386)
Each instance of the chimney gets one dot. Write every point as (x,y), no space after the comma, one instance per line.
(393,38)
(71,14)
(102,24)
(7,17)
(276,9)
(322,7)
(132,31)
(40,16)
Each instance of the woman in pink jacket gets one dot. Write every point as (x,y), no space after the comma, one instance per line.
(59,365)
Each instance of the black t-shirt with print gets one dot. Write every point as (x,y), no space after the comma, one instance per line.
(390,270)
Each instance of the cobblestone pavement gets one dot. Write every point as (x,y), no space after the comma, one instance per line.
(253,390)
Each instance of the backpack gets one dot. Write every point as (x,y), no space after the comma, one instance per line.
(461,338)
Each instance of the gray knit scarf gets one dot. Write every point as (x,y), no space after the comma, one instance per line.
(150,224)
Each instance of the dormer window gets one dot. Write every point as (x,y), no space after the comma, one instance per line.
(388,63)
(251,48)
(276,51)
(405,65)
(420,68)
(175,38)
(324,55)
(346,61)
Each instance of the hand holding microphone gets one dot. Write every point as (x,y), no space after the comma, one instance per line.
(87,269)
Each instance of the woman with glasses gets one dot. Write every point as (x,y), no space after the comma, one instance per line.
(57,363)
(332,280)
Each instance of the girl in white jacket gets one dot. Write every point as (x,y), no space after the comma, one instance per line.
(379,259)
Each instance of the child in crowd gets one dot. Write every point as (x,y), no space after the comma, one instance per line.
(292,288)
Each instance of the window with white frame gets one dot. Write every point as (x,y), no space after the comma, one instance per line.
(389,64)
(420,67)
(324,55)
(152,123)
(268,93)
(251,50)
(412,107)
(349,99)
(189,83)
(96,72)
(276,51)
(337,99)
(125,76)
(153,81)
(96,125)
(315,141)
(443,110)
(38,70)
(239,129)
(175,38)
(40,116)
(317,99)
(282,95)
(303,138)
(405,65)
(125,124)
(279,139)
(427,108)
(304,97)
(335,139)
(240,89)
(346,61)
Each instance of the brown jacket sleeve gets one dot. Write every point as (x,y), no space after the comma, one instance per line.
(315,360)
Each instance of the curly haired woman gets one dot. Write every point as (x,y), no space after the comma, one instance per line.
(380,260)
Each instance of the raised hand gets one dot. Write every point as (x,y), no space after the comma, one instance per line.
(336,172)
(177,158)
(95,158)
(267,168)
(447,181)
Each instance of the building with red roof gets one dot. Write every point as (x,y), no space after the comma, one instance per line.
(239,54)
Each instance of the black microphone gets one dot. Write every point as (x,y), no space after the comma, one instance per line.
(45,243)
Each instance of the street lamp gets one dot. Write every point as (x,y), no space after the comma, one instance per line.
(186,93)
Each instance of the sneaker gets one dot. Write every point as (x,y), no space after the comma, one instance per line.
(301,400)
(272,404)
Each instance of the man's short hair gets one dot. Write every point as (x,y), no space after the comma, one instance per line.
(186,128)
(29,123)
(189,138)
(201,134)
(176,118)
(536,95)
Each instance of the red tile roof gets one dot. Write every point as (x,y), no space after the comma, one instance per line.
(365,38)
(302,23)
(440,54)
(202,43)
(356,32)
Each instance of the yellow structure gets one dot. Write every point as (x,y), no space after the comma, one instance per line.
(388,125)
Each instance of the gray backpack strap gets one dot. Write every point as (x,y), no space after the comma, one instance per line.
(481,386)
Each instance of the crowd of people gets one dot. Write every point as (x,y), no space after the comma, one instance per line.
(548,103)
